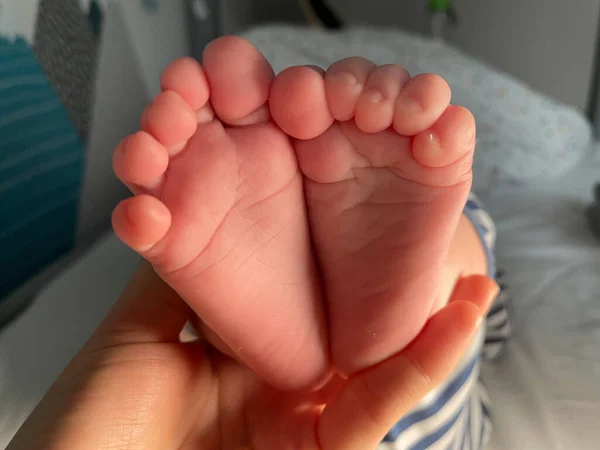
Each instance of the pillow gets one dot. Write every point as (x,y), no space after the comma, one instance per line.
(46,86)
(523,136)
(41,164)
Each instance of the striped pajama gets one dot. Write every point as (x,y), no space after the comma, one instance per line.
(456,414)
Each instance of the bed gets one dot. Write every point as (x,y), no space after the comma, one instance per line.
(544,390)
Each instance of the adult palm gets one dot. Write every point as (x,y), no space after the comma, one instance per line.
(134,385)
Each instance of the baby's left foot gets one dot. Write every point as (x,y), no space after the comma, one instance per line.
(387,166)
(219,212)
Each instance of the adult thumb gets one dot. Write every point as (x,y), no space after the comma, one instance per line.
(373,400)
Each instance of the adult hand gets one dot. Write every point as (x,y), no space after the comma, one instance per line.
(134,385)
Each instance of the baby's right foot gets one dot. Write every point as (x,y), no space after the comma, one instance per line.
(387,165)
(220,212)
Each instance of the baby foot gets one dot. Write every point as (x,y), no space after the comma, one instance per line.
(387,166)
(220,212)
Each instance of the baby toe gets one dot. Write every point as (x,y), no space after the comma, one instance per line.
(450,139)
(140,161)
(375,107)
(240,78)
(422,101)
(344,83)
(141,222)
(186,77)
(298,103)
(170,120)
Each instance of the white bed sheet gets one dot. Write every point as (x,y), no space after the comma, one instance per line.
(545,391)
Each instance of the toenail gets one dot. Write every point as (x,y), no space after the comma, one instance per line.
(205,114)
(173,150)
(155,183)
(256,117)
(346,78)
(410,105)
(158,214)
(374,96)
(468,139)
(433,141)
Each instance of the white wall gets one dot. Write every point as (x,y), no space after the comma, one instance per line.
(18,17)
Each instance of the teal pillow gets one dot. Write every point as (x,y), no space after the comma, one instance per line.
(41,165)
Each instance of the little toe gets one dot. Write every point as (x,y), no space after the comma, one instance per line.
(298,102)
(170,120)
(375,107)
(240,78)
(344,83)
(422,101)
(141,222)
(140,161)
(451,138)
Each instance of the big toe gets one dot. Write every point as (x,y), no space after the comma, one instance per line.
(298,102)
(240,78)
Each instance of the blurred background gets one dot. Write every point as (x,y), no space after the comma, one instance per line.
(75,76)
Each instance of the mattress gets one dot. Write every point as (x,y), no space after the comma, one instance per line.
(544,390)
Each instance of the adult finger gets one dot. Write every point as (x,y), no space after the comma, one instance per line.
(373,400)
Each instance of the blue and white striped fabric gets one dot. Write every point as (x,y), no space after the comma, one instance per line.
(456,414)
(498,318)
(41,159)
